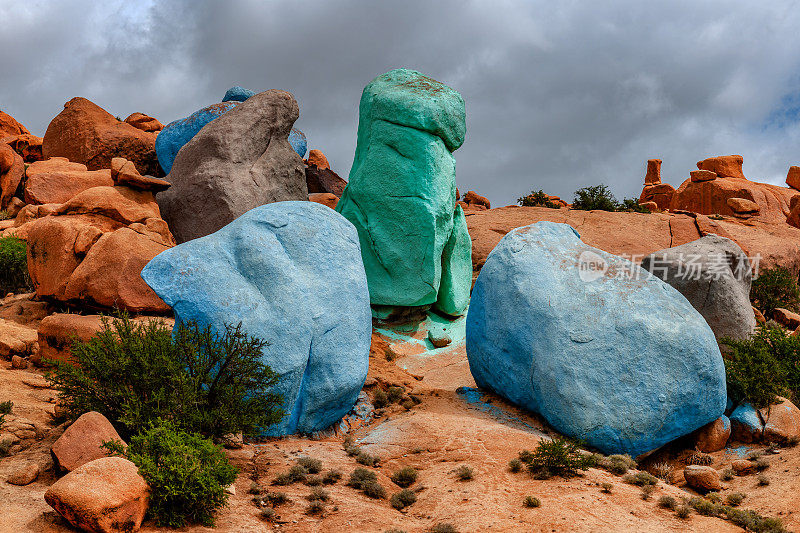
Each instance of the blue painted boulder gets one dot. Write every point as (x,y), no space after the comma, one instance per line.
(179,132)
(237,94)
(746,423)
(291,273)
(601,348)
(298,141)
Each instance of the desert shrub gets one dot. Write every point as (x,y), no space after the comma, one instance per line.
(764,366)
(526,456)
(531,502)
(714,497)
(699,458)
(186,472)
(373,489)
(558,457)
(761,464)
(364,458)
(405,477)
(684,511)
(595,197)
(268,514)
(641,479)
(618,464)
(380,399)
(667,502)
(13,265)
(312,480)
(137,372)
(256,489)
(4,214)
(361,476)
(536,199)
(395,393)
(735,499)
(752,521)
(464,473)
(5,409)
(515,465)
(5,447)
(277,498)
(705,507)
(606,488)
(350,447)
(331,477)
(727,474)
(443,527)
(312,466)
(662,471)
(632,205)
(763,480)
(647,491)
(402,499)
(775,287)
(318,493)
(315,507)
(298,473)
(282,480)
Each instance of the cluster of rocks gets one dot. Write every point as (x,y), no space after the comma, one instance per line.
(719,187)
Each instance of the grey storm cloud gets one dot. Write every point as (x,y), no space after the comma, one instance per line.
(559,94)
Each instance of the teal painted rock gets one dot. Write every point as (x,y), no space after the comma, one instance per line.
(291,273)
(401,195)
(602,349)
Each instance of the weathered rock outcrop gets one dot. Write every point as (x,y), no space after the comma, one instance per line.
(144,122)
(12,168)
(286,271)
(86,133)
(320,180)
(553,323)
(29,147)
(10,126)
(401,194)
(714,275)
(655,191)
(83,440)
(238,161)
(56,180)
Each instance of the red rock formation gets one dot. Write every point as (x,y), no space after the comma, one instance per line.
(475,201)
(702,175)
(793,178)
(26,145)
(655,191)
(144,122)
(653,175)
(725,166)
(124,172)
(56,180)
(324,198)
(9,126)
(12,169)
(317,159)
(324,180)
(86,133)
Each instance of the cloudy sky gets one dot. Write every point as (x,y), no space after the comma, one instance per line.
(560,94)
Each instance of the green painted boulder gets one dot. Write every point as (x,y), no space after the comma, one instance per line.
(401,195)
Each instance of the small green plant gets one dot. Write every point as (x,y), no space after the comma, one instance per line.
(380,399)
(714,497)
(763,367)
(277,498)
(752,521)
(606,488)
(641,479)
(618,464)
(13,265)
(667,502)
(186,472)
(531,502)
(137,372)
(775,287)
(318,493)
(763,480)
(557,457)
(464,473)
(331,477)
(268,514)
(595,197)
(256,489)
(735,499)
(705,507)
(5,409)
(443,527)
(363,458)
(727,474)
(4,214)
(395,393)
(405,477)
(312,466)
(647,491)
(360,476)
(5,447)
(536,199)
(312,480)
(683,512)
(515,465)
(403,499)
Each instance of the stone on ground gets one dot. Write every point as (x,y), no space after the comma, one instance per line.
(105,496)
(702,478)
(401,194)
(714,274)
(237,162)
(291,273)
(713,436)
(83,440)
(24,474)
(592,342)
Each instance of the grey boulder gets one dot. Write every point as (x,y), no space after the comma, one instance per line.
(714,274)
(237,162)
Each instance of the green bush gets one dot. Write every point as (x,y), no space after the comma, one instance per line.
(186,472)
(331,477)
(632,205)
(405,477)
(360,477)
(557,457)
(5,409)
(640,479)
(312,466)
(403,499)
(536,199)
(618,464)
(137,372)
(13,266)
(465,473)
(532,502)
(735,499)
(515,465)
(373,489)
(595,197)
(764,366)
(775,287)
(667,502)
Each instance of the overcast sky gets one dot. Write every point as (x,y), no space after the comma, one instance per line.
(560,94)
